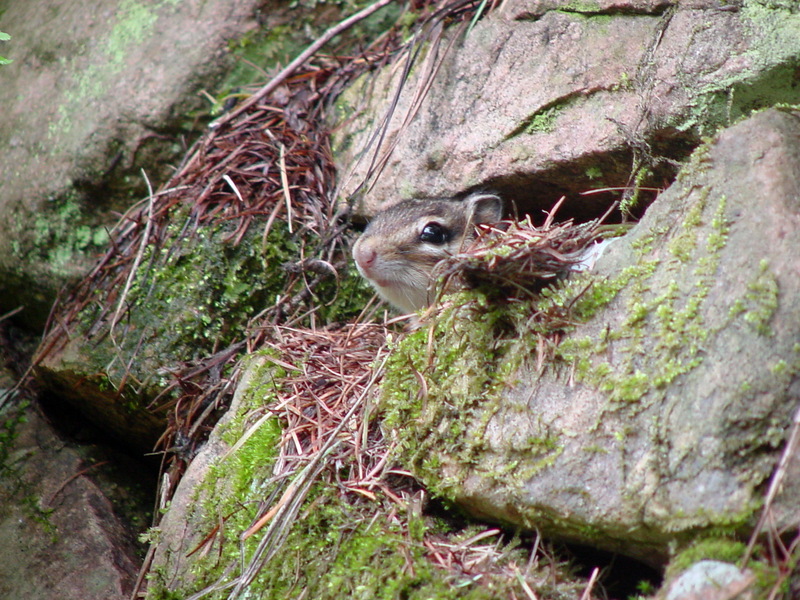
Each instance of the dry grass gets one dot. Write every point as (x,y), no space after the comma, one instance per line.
(328,373)
(332,434)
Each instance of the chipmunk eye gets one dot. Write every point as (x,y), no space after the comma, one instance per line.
(433,233)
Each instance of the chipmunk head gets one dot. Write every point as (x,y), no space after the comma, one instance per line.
(402,244)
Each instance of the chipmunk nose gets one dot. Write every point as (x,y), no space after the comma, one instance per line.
(364,255)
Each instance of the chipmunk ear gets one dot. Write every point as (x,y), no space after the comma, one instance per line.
(484,208)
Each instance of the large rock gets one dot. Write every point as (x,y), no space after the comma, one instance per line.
(96,92)
(655,422)
(662,415)
(62,537)
(535,103)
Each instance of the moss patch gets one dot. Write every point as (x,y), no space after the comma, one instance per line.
(771,79)
(478,352)
(286,34)
(134,23)
(58,236)
(732,551)
(543,120)
(196,294)
(15,490)
(448,392)
(662,334)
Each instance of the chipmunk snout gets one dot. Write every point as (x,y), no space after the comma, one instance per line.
(364,255)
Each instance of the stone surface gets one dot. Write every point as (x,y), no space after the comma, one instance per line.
(541,103)
(61,536)
(711,580)
(108,89)
(664,414)
(208,481)
(536,8)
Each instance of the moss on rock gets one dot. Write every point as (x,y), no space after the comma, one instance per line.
(191,297)
(657,411)
(340,544)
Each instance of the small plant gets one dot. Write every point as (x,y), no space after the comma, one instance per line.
(4,37)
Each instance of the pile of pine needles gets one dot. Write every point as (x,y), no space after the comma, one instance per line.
(516,259)
(327,374)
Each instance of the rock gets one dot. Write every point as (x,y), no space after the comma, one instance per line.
(211,479)
(711,580)
(535,8)
(596,439)
(106,91)
(664,413)
(543,103)
(61,536)
(122,340)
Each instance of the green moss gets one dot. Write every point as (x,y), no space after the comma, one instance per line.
(57,235)
(338,550)
(4,37)
(196,294)
(478,353)
(594,173)
(17,492)
(542,121)
(663,331)
(227,502)
(683,245)
(642,175)
(759,304)
(761,301)
(264,49)
(133,23)
(710,548)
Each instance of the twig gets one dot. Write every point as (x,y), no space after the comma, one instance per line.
(285,185)
(49,502)
(235,189)
(135,267)
(526,588)
(587,593)
(11,313)
(789,452)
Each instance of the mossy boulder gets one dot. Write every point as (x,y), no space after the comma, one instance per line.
(322,540)
(661,413)
(189,299)
(98,94)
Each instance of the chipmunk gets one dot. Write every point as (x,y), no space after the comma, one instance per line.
(402,244)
